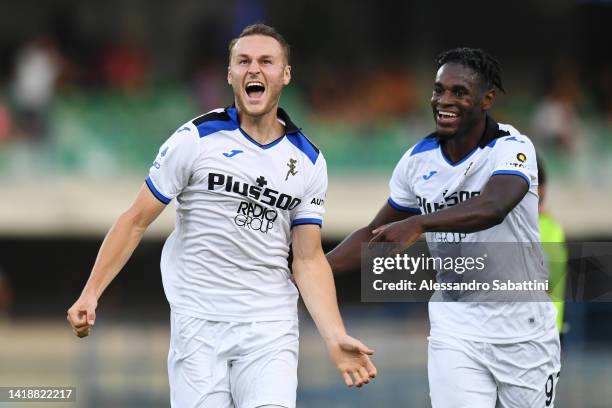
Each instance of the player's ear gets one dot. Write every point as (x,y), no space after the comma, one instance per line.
(488,98)
(229,75)
(287,75)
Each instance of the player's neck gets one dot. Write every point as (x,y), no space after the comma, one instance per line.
(263,129)
(460,145)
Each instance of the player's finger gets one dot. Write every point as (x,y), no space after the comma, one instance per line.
(364,349)
(74,319)
(91,317)
(347,379)
(372,370)
(80,322)
(364,375)
(380,229)
(376,238)
(357,378)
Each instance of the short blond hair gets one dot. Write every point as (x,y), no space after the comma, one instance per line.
(262,29)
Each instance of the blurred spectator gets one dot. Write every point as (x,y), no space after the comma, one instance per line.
(6,297)
(389,94)
(5,121)
(556,121)
(209,85)
(124,66)
(605,88)
(37,69)
(363,98)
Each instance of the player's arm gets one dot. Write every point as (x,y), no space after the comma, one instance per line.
(347,255)
(314,278)
(116,249)
(499,196)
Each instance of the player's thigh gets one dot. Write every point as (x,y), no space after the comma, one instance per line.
(527,372)
(267,374)
(198,372)
(457,379)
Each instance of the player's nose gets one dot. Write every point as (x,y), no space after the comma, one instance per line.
(445,98)
(254,68)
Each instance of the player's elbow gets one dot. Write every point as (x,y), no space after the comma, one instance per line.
(133,220)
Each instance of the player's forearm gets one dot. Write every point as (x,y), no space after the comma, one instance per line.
(476,214)
(116,249)
(347,255)
(316,284)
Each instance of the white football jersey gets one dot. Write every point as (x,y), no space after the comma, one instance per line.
(237,200)
(425,181)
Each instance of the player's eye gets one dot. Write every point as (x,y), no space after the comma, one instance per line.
(437,90)
(460,93)
(243,61)
(266,62)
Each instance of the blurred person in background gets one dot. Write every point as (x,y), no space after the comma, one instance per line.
(6,297)
(553,244)
(472,180)
(556,122)
(37,69)
(6,121)
(248,185)
(124,66)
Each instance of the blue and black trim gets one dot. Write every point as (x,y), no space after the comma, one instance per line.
(489,138)
(306,146)
(460,161)
(156,192)
(228,120)
(514,173)
(402,208)
(214,122)
(304,221)
(430,142)
(491,134)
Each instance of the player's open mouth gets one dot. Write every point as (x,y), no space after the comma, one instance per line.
(446,118)
(255,89)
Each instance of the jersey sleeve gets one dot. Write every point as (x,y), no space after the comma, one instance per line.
(170,172)
(516,155)
(312,207)
(401,197)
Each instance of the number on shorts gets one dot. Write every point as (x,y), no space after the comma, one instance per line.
(549,389)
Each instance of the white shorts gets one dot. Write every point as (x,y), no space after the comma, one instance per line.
(232,365)
(465,373)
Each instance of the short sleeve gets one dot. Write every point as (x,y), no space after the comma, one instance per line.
(401,196)
(312,207)
(170,172)
(516,155)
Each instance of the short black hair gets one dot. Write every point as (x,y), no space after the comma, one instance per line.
(487,67)
(265,30)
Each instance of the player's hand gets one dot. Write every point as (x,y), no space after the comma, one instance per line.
(352,360)
(405,232)
(82,315)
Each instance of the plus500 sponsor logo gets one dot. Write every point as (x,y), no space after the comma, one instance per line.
(266,195)
(449,201)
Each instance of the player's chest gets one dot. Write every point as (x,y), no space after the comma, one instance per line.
(274,176)
(438,185)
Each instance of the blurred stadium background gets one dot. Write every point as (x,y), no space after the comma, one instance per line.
(89,90)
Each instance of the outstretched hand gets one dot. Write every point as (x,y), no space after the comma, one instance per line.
(352,360)
(82,315)
(405,232)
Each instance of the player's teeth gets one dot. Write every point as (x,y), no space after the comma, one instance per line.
(447,114)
